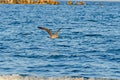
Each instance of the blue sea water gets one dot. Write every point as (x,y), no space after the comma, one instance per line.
(88,46)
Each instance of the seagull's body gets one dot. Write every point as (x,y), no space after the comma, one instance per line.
(55,35)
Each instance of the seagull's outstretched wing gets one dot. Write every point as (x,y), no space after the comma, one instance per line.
(46,29)
(58,30)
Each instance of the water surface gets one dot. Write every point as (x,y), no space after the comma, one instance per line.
(88,46)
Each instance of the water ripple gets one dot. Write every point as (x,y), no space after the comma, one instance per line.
(88,45)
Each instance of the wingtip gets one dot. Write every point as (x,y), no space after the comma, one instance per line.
(39,27)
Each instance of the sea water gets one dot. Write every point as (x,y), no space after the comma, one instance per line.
(88,45)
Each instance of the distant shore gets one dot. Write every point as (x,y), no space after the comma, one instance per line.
(18,77)
(51,2)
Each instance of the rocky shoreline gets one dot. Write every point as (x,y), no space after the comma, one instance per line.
(51,2)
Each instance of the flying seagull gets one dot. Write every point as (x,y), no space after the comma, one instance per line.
(55,35)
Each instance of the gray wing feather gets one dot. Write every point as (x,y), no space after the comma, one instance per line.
(58,30)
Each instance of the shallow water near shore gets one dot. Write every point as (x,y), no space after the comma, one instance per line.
(88,46)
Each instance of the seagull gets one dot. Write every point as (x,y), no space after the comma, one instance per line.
(55,35)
